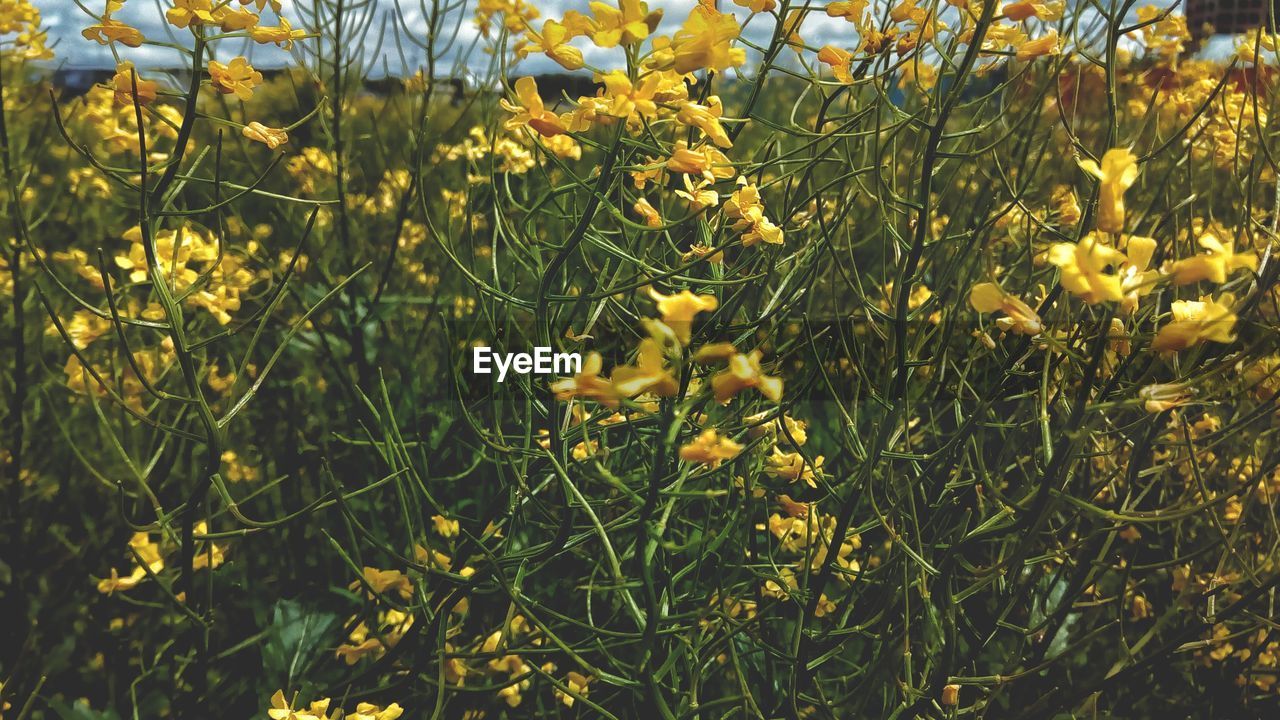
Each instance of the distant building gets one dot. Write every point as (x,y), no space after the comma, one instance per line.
(1225,16)
(77,81)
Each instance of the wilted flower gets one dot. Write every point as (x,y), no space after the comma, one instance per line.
(271,137)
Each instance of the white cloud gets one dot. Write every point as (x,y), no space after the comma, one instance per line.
(65,20)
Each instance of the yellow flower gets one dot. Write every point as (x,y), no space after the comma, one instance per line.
(1196,321)
(1254,44)
(703,160)
(850,10)
(757,6)
(1024,9)
(282,35)
(117,583)
(271,137)
(1083,267)
(210,556)
(705,40)
(147,551)
(282,710)
(576,683)
(231,20)
(710,449)
(445,527)
(920,74)
(678,310)
(587,384)
(1019,317)
(700,196)
(628,24)
(381,581)
(1118,172)
(369,711)
(824,607)
(84,328)
(261,5)
(649,374)
(840,61)
(237,77)
(698,251)
(791,28)
(744,205)
(620,98)
(531,111)
(1136,280)
(1215,265)
(792,467)
(1065,205)
(554,42)
(1046,44)
(110,31)
(563,147)
(647,211)
(185,13)
(743,372)
(123,82)
(707,119)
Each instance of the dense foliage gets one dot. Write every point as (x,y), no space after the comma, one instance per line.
(930,364)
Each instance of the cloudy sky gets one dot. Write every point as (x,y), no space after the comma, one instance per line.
(65,20)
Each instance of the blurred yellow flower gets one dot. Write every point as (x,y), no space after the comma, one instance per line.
(744,372)
(678,310)
(587,384)
(1117,173)
(705,41)
(850,10)
(124,83)
(1024,9)
(1046,44)
(649,374)
(1019,317)
(709,449)
(1219,261)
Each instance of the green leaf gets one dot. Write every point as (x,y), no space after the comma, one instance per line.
(295,639)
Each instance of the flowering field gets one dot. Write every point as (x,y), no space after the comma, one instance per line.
(930,363)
